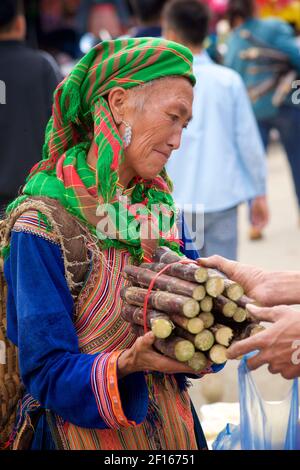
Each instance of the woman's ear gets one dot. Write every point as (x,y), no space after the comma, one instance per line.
(117,98)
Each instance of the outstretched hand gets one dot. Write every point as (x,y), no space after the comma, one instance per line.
(257,283)
(278,345)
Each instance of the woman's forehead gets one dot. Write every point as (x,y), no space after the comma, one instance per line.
(179,93)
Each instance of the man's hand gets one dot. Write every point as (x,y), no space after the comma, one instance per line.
(252,279)
(267,288)
(278,345)
(259,212)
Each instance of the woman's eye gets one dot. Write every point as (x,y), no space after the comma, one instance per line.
(174,117)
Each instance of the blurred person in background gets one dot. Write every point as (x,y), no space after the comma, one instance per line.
(218,10)
(29,79)
(221,161)
(269,75)
(97,15)
(148,14)
(69,28)
(58,29)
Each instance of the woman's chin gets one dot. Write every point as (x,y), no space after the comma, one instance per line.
(150,175)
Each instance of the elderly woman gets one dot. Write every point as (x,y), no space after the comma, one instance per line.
(88,378)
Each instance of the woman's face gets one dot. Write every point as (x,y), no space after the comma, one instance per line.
(157,125)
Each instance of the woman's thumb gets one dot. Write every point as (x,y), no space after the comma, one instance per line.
(148,339)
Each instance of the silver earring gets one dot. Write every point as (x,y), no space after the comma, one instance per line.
(127,134)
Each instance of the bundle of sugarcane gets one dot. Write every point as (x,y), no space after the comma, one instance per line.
(195,313)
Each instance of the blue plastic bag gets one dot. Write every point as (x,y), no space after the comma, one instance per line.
(263,425)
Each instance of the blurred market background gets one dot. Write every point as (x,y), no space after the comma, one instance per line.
(68,28)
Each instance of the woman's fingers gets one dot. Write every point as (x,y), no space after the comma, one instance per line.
(153,360)
(147,340)
(160,363)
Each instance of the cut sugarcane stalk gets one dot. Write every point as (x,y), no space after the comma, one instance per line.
(159,322)
(207,318)
(206,304)
(203,340)
(174,347)
(215,284)
(167,256)
(192,325)
(233,290)
(165,301)
(225,306)
(240,315)
(200,274)
(250,330)
(223,334)
(161,327)
(217,354)
(189,272)
(163,254)
(165,283)
(198,361)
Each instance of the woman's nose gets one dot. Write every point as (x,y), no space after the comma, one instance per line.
(175,139)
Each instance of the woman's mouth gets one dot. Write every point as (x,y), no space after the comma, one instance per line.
(165,155)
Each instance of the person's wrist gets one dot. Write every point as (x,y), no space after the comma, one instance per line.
(282,287)
(125,364)
(289,290)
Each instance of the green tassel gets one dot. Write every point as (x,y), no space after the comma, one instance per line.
(4,253)
(43,218)
(71,103)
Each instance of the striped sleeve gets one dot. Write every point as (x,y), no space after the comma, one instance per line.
(35,223)
(105,385)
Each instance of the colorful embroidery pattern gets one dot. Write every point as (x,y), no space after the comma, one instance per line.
(34,222)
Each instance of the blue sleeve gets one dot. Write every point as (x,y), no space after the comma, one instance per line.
(40,310)
(188,247)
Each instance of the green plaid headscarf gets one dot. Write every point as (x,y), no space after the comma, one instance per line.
(80,113)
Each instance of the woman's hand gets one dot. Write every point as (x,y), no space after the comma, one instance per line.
(142,357)
(267,288)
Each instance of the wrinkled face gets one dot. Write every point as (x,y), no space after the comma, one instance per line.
(157,125)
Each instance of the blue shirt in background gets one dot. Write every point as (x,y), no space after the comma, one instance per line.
(221,161)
